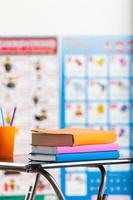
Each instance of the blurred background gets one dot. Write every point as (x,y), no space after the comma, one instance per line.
(79,52)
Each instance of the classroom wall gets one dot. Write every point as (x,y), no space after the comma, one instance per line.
(65,17)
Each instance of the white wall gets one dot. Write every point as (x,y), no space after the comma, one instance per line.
(62,17)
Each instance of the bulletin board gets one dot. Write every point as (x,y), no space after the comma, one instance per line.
(97,79)
(28,78)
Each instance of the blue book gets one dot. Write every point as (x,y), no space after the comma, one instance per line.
(70,157)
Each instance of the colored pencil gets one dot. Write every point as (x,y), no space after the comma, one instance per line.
(2,117)
(13,116)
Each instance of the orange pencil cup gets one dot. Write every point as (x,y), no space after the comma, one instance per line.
(7,138)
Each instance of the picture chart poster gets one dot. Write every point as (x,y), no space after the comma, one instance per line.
(97,92)
(28,80)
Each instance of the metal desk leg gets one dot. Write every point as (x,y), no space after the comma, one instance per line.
(32,189)
(52,181)
(101,195)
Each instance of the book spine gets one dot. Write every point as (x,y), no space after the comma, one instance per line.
(45,150)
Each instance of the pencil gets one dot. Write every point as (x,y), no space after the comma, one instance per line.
(13,116)
(2,117)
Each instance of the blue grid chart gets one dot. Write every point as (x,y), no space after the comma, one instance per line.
(97,79)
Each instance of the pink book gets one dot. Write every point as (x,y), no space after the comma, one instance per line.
(75,149)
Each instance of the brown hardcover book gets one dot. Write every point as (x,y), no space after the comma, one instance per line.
(72,137)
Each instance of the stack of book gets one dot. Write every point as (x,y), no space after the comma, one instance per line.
(73,144)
